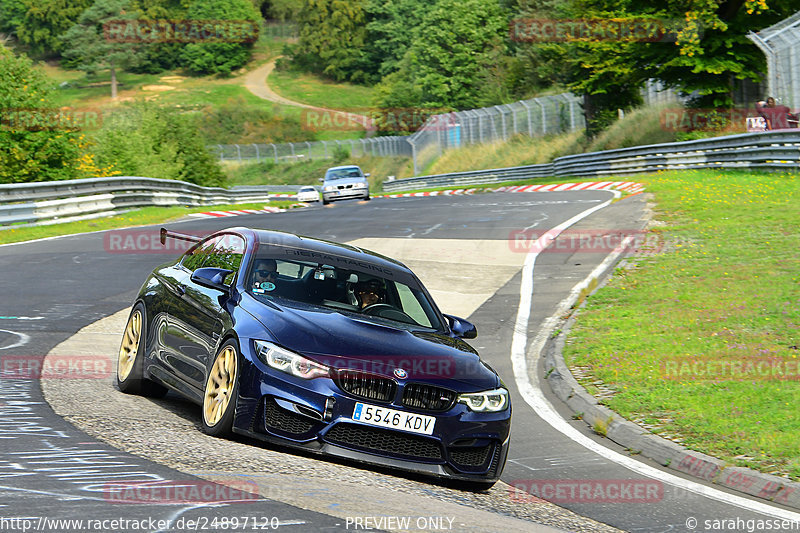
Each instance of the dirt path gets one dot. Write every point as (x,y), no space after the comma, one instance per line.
(256,82)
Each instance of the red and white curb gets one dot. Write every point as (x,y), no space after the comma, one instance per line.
(631,187)
(236,213)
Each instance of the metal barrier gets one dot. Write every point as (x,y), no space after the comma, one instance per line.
(57,201)
(773,150)
(61,201)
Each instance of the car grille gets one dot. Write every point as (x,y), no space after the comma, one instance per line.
(366,386)
(384,441)
(428,397)
(278,418)
(471,456)
(345,186)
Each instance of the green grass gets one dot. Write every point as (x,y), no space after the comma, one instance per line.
(137,217)
(725,287)
(318,91)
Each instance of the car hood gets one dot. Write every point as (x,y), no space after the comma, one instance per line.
(347,342)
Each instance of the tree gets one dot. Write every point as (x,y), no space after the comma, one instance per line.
(457,44)
(708,52)
(43,22)
(86,44)
(391,28)
(332,36)
(219,57)
(32,147)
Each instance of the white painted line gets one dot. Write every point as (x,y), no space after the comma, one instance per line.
(533,396)
(22,339)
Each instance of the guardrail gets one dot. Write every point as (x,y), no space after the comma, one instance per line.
(60,201)
(773,150)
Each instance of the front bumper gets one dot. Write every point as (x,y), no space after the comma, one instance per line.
(315,415)
(345,194)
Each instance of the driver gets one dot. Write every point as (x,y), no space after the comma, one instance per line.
(265,272)
(369,292)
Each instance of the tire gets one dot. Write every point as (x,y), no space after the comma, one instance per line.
(367,198)
(130,367)
(325,202)
(221,391)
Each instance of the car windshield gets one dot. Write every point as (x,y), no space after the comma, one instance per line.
(307,189)
(343,173)
(353,291)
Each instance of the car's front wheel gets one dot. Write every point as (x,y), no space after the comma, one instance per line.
(222,389)
(130,361)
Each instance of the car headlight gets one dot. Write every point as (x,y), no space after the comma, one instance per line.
(492,401)
(330,188)
(290,362)
(361,184)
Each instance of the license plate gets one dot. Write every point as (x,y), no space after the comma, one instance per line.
(393,419)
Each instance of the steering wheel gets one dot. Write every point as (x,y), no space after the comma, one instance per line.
(375,309)
(388,311)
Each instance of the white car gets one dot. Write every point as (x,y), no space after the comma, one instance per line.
(307,194)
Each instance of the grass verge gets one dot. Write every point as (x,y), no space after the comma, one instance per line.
(137,217)
(315,90)
(723,290)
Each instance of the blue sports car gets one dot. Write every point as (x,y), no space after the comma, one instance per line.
(320,346)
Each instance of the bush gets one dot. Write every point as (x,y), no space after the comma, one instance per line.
(219,57)
(143,139)
(26,153)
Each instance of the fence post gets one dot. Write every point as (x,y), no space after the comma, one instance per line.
(221,153)
(414,155)
(238,153)
(275,149)
(530,118)
(294,156)
(571,118)
(544,115)
(502,121)
(258,159)
(309,149)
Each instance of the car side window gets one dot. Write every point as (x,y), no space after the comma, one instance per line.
(194,259)
(227,253)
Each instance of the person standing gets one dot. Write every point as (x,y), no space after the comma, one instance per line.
(777,117)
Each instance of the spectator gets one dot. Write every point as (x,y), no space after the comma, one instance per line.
(777,117)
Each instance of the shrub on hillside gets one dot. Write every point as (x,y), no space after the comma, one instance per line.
(143,139)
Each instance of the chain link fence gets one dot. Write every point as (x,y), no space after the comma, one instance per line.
(535,117)
(781,45)
(294,152)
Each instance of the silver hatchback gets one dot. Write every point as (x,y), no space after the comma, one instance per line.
(341,183)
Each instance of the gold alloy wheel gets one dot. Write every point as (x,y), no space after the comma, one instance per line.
(130,345)
(219,387)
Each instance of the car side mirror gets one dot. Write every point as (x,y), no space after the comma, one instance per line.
(461,328)
(321,180)
(366,175)
(211,277)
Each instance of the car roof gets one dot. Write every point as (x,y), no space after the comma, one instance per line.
(321,247)
(344,167)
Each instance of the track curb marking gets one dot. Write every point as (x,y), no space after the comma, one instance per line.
(667,453)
